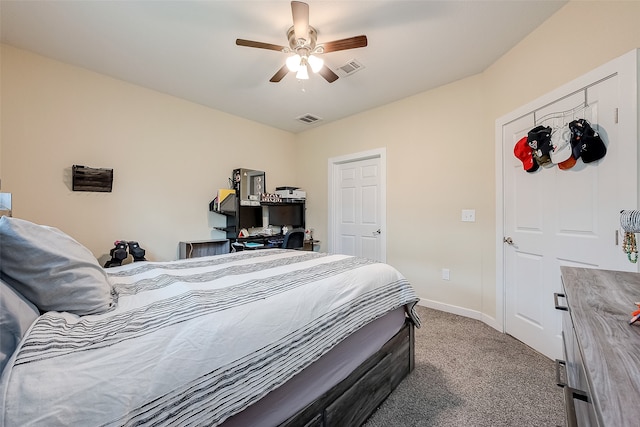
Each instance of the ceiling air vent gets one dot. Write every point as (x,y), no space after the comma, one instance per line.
(308,118)
(351,67)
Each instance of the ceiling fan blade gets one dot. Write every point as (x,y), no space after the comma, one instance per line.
(259,45)
(328,75)
(300,12)
(349,43)
(279,75)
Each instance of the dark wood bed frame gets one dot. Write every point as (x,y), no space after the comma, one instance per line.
(352,401)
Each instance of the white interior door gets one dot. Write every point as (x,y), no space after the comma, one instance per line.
(556,217)
(357,211)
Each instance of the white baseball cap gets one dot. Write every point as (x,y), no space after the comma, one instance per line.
(560,141)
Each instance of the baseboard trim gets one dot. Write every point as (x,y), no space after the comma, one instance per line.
(461,311)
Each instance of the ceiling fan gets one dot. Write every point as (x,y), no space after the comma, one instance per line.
(303,48)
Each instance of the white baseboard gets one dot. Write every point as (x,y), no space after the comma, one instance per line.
(461,311)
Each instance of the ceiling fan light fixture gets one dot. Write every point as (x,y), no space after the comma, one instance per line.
(293,63)
(302,47)
(315,63)
(303,73)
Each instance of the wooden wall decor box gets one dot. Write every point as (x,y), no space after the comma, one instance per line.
(92,179)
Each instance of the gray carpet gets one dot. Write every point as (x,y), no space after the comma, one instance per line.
(468,374)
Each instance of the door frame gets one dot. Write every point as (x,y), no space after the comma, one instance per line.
(626,67)
(334,200)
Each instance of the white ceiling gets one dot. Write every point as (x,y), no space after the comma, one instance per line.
(187,48)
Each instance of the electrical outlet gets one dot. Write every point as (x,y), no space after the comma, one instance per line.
(468,215)
(445,274)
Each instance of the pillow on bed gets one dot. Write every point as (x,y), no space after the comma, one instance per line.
(51,269)
(16,315)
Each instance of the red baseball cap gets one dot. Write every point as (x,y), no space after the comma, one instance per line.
(525,154)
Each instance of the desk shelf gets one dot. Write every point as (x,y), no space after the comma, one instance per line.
(239,216)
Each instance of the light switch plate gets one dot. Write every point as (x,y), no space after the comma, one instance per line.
(468,215)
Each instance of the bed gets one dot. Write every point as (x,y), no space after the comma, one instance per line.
(255,338)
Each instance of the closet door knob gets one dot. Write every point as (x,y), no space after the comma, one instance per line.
(508,240)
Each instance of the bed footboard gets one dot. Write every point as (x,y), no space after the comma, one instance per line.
(353,400)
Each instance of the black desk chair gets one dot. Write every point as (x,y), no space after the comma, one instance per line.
(294,239)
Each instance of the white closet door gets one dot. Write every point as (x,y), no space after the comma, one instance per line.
(560,217)
(359,219)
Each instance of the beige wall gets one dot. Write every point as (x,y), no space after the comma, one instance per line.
(435,168)
(580,37)
(441,152)
(170,156)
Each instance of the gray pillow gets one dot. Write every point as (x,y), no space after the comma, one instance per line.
(52,270)
(16,315)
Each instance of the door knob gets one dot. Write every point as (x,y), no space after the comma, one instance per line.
(508,240)
(378,231)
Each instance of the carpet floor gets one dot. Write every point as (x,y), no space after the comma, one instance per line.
(468,374)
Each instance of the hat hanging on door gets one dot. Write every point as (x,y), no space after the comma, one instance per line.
(561,153)
(539,139)
(560,143)
(593,147)
(586,142)
(523,152)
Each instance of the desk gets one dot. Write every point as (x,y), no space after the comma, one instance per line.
(266,242)
(269,242)
(247,246)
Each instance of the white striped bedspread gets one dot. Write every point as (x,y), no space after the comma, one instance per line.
(193,342)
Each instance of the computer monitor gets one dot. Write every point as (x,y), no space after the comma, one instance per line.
(250,217)
(291,214)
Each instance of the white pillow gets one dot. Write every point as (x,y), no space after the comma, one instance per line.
(51,269)
(16,315)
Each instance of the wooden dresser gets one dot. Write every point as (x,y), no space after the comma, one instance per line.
(601,349)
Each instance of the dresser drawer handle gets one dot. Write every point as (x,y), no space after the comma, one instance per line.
(557,304)
(570,393)
(560,366)
(570,407)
